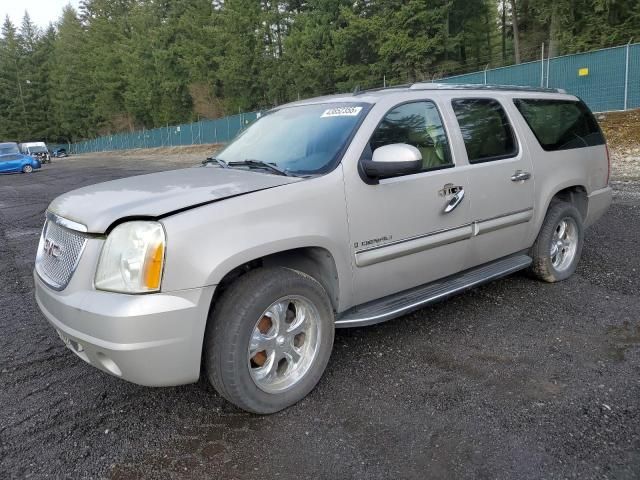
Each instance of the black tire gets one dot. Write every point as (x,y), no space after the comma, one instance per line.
(27,169)
(543,267)
(232,322)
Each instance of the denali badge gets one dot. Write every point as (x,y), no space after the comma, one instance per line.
(51,248)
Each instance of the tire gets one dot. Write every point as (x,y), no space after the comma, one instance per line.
(27,169)
(562,232)
(259,309)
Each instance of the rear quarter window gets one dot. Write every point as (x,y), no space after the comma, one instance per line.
(560,124)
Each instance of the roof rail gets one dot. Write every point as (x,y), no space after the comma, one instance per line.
(468,86)
(381,89)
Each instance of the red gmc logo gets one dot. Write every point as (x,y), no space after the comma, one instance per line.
(51,248)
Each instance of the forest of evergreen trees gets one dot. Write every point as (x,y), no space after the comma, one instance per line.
(119,65)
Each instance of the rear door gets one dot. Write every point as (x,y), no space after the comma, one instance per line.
(501,183)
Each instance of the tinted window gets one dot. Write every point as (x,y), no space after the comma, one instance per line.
(560,124)
(485,129)
(418,124)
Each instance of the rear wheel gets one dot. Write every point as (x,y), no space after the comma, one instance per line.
(27,169)
(557,249)
(269,339)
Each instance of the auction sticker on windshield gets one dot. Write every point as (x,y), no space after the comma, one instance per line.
(341,112)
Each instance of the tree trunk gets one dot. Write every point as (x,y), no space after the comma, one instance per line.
(504,31)
(516,36)
(488,32)
(554,29)
(446,36)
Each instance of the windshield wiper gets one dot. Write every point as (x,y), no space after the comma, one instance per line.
(260,164)
(222,163)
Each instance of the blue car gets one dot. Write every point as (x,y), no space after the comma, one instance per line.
(12,161)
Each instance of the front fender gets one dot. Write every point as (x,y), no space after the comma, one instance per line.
(206,243)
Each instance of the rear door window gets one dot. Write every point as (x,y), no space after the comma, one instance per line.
(485,129)
(560,124)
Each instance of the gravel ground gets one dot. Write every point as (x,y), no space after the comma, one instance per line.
(515,379)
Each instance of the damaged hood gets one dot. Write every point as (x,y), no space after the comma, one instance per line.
(157,194)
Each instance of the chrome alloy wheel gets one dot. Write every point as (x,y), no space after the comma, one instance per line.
(564,244)
(284,344)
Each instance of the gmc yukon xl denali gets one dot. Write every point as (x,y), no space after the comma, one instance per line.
(340,211)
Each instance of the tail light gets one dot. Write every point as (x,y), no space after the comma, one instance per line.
(608,163)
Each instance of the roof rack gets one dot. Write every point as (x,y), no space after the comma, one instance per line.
(459,86)
(357,90)
(469,86)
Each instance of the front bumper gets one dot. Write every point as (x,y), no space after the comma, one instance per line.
(153,340)
(599,202)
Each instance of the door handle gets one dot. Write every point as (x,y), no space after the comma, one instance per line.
(520,176)
(455,200)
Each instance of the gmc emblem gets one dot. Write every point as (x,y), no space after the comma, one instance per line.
(51,248)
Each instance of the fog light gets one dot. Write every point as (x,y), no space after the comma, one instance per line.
(108,364)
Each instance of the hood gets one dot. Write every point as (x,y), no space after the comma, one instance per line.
(157,194)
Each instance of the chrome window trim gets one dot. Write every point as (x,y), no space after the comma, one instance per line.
(66,223)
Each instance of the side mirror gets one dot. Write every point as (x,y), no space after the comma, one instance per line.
(392,160)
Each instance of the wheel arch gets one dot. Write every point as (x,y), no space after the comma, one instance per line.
(570,191)
(315,261)
(575,195)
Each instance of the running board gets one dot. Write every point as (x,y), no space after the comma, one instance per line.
(404,302)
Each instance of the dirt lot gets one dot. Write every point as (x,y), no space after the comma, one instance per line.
(516,379)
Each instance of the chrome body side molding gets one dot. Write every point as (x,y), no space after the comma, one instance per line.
(392,250)
(398,248)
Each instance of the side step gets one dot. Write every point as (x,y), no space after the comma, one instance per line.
(404,302)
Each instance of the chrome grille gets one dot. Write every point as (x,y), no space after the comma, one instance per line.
(58,254)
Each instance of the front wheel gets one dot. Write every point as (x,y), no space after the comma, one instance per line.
(269,339)
(27,169)
(557,249)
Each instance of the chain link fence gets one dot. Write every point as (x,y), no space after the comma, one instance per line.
(221,130)
(607,79)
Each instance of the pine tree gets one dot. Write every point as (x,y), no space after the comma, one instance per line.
(13,120)
(73,96)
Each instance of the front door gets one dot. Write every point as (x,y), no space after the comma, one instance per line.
(10,163)
(402,233)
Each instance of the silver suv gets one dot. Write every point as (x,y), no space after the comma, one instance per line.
(340,211)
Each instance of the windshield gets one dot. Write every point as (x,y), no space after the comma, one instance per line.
(37,149)
(307,139)
(9,149)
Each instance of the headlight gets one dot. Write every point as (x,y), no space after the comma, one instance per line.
(132,258)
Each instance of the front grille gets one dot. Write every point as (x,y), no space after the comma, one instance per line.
(58,254)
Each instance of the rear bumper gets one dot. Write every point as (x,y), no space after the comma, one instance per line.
(153,340)
(599,202)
